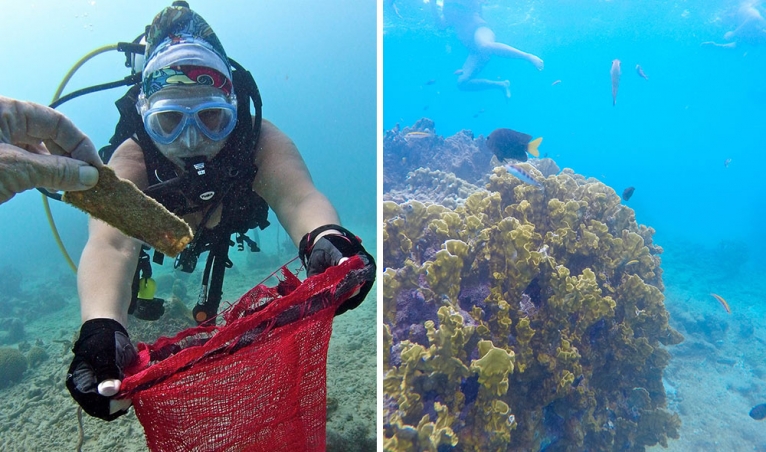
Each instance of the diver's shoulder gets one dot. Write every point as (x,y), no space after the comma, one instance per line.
(271,135)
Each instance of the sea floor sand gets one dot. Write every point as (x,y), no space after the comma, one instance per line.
(718,373)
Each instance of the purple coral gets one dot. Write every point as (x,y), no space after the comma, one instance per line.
(412,310)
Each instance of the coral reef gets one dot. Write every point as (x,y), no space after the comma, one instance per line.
(461,154)
(433,186)
(523,318)
(14,331)
(13,364)
(439,170)
(36,356)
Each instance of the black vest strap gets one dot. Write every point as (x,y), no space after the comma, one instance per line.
(129,122)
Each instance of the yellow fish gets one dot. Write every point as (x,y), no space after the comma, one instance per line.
(722,301)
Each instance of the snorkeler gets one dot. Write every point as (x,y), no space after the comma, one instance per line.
(751,29)
(472,30)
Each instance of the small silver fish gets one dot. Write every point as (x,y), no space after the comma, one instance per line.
(522,174)
(417,135)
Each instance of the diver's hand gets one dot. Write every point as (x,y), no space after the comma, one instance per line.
(101,354)
(331,245)
(40,147)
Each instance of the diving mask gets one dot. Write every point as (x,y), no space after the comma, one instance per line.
(166,119)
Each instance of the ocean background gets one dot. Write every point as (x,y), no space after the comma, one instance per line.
(315,65)
(668,136)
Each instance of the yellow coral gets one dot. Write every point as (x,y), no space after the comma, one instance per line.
(431,435)
(524,334)
(503,319)
(447,225)
(566,378)
(390,210)
(593,274)
(443,274)
(493,367)
(399,380)
(388,341)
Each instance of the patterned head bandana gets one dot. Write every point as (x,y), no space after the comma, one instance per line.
(182,49)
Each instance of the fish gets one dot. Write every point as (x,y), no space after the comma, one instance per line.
(577,381)
(520,173)
(615,73)
(726,163)
(510,144)
(640,72)
(627,193)
(417,135)
(430,82)
(555,82)
(758,412)
(723,302)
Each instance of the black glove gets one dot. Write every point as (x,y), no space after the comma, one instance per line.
(318,255)
(101,353)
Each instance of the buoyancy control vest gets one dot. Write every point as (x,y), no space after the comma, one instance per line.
(225,180)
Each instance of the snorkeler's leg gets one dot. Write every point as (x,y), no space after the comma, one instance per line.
(484,39)
(471,68)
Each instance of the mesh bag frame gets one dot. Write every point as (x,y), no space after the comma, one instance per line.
(255,383)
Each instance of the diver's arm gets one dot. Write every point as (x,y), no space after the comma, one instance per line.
(285,183)
(109,258)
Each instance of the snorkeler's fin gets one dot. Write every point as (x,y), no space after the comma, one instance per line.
(532,146)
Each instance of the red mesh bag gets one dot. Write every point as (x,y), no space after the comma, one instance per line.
(255,383)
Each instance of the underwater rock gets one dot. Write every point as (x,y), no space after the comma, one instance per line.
(179,289)
(14,331)
(546,166)
(461,154)
(13,364)
(36,356)
(427,185)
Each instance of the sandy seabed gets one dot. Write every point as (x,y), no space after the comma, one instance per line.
(719,372)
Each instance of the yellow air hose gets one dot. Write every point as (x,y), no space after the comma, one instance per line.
(46,204)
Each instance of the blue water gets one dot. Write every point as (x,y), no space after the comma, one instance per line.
(668,136)
(315,65)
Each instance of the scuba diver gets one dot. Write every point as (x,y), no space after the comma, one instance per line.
(186,137)
(40,147)
(474,33)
